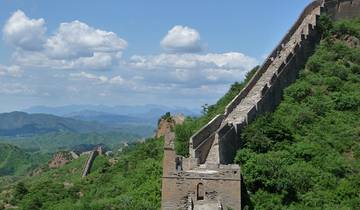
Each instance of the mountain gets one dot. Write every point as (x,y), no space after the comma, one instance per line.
(15,161)
(24,124)
(50,133)
(57,141)
(113,120)
(148,110)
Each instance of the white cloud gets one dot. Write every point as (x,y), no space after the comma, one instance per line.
(12,71)
(15,89)
(98,79)
(181,39)
(77,39)
(226,67)
(74,45)
(90,77)
(25,33)
(117,80)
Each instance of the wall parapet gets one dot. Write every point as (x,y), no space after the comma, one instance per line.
(89,163)
(206,131)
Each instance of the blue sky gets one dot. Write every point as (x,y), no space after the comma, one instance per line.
(183,53)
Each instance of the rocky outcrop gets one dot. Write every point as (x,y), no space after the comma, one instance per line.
(59,159)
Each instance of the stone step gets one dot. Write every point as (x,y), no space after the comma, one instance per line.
(213,155)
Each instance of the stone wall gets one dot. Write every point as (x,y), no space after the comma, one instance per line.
(213,126)
(89,163)
(206,131)
(293,60)
(180,186)
(342,9)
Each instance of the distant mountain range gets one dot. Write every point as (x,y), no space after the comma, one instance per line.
(137,120)
(149,110)
(24,124)
(112,120)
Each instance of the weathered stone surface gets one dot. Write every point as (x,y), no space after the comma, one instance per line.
(166,125)
(59,159)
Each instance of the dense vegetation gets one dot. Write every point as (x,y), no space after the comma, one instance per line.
(15,162)
(306,155)
(131,183)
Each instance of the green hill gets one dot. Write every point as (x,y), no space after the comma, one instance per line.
(23,124)
(132,183)
(15,162)
(305,155)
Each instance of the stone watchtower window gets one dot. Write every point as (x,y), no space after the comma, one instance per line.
(200,192)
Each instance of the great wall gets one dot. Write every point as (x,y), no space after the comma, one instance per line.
(208,179)
(92,156)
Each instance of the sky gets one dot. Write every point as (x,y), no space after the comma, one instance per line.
(132,52)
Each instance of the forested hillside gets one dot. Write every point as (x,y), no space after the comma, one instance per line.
(306,155)
(131,183)
(16,162)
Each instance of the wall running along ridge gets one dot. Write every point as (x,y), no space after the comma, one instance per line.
(89,163)
(92,156)
(208,179)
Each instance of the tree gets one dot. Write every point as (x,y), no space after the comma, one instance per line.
(20,191)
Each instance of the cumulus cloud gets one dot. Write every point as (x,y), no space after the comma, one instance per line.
(73,45)
(181,39)
(98,79)
(12,71)
(211,67)
(25,33)
(77,39)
